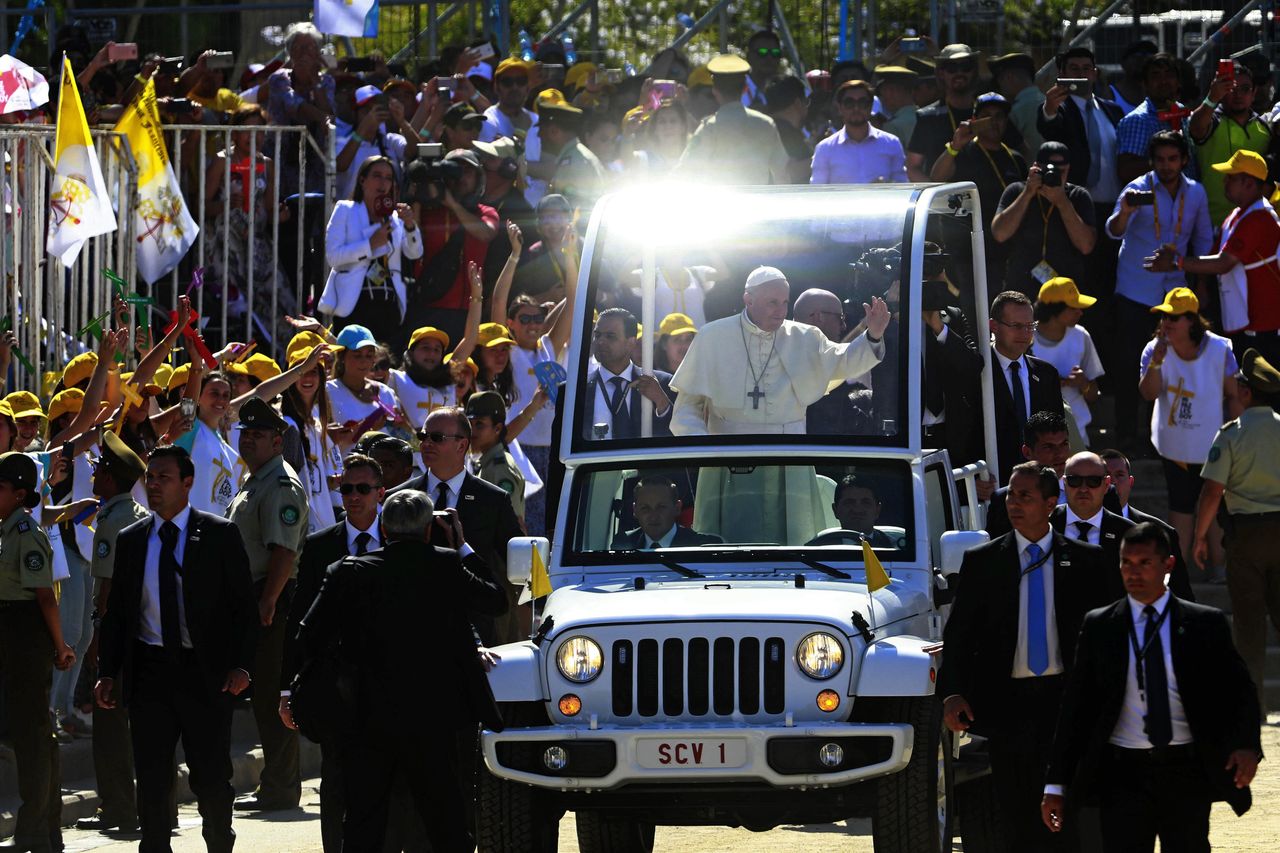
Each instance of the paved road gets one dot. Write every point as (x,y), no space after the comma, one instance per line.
(299,832)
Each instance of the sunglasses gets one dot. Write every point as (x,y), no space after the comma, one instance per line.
(957,67)
(860,103)
(531,319)
(513,81)
(438,437)
(1093,481)
(362,488)
(775,52)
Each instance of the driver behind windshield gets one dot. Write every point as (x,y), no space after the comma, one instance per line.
(656,507)
(857,508)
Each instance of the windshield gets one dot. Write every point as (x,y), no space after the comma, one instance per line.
(691,511)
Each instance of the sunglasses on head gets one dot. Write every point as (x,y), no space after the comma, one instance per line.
(775,52)
(530,319)
(1093,481)
(362,488)
(438,437)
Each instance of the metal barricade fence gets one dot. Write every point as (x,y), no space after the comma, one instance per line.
(48,303)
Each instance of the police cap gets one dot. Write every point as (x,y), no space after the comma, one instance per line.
(256,414)
(1258,373)
(19,471)
(728,64)
(487,404)
(123,463)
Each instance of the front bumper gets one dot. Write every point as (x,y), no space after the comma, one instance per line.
(782,756)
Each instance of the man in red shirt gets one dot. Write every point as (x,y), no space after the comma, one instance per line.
(456,230)
(1246,267)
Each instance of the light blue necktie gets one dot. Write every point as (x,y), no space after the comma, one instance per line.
(1037,638)
(1095,144)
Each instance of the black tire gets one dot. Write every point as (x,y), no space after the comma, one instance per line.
(511,819)
(979,816)
(600,834)
(910,814)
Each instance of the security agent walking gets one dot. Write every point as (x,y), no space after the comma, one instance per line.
(178,634)
(30,645)
(114,476)
(271,512)
(1244,469)
(1009,644)
(372,607)
(1159,717)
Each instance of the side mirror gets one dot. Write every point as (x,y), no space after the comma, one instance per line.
(523,553)
(952,546)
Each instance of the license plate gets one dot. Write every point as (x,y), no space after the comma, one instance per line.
(654,754)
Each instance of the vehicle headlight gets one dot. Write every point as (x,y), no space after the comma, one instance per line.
(820,656)
(580,659)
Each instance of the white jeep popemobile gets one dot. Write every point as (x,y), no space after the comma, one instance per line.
(755,678)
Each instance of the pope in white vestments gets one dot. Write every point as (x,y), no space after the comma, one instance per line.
(758,372)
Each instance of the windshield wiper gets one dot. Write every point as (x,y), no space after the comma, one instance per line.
(670,563)
(826,570)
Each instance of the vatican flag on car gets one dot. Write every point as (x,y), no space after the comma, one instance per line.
(877,578)
(539,580)
(164,225)
(79,207)
(355,18)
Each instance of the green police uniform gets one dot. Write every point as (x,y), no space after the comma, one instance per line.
(735,145)
(579,177)
(1245,460)
(26,668)
(112,744)
(271,510)
(497,467)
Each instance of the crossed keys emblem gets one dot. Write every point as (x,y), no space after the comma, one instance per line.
(67,202)
(161,216)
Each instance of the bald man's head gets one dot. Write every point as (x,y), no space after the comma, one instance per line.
(821,308)
(1086,480)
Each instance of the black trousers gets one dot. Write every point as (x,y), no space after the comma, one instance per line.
(1019,759)
(1155,793)
(1135,323)
(172,700)
(333,802)
(371,763)
(26,670)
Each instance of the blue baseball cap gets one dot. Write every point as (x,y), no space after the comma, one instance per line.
(356,337)
(991,98)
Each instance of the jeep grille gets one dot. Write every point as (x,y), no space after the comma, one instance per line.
(723,676)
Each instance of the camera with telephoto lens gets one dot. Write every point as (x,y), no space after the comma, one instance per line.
(425,181)
(874,272)
(1051,175)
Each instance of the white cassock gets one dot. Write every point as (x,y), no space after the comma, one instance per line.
(732,359)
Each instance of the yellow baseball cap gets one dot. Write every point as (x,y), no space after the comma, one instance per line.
(577,74)
(24,404)
(1180,300)
(553,100)
(676,324)
(163,374)
(79,369)
(1062,289)
(302,340)
(70,400)
(299,355)
(429,333)
(259,366)
(494,334)
(1244,163)
(471,365)
(178,379)
(511,63)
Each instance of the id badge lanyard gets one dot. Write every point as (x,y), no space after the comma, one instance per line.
(1140,651)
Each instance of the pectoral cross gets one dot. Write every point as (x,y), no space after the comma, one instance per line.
(1181,396)
(756,396)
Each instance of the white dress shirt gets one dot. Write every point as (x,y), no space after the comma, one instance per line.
(1129,732)
(1093,537)
(375,540)
(1023,369)
(664,542)
(455,487)
(602,414)
(1045,575)
(150,629)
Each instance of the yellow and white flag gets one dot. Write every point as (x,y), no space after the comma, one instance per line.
(80,207)
(164,225)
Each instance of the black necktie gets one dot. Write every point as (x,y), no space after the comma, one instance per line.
(442,496)
(1084,527)
(362,543)
(619,422)
(1019,398)
(170,626)
(1159,726)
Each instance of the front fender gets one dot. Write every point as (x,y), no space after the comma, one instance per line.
(898,666)
(518,676)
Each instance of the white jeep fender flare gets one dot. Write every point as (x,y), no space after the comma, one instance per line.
(898,666)
(518,675)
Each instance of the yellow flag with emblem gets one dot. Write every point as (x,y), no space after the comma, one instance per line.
(79,205)
(877,577)
(539,580)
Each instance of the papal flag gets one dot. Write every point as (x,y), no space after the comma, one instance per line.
(354,18)
(164,225)
(80,207)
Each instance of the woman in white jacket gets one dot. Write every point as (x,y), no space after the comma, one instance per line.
(366,243)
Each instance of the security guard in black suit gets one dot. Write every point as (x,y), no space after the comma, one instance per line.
(30,646)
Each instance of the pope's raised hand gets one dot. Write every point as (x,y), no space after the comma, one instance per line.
(877,317)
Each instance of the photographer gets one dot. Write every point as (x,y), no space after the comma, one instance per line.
(457,230)
(368,139)
(1223,124)
(366,242)
(1046,222)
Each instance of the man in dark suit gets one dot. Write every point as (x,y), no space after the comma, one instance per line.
(1085,517)
(1045,440)
(372,605)
(615,388)
(857,507)
(1009,641)
(484,508)
(1121,473)
(1086,124)
(1159,718)
(1024,384)
(179,632)
(656,507)
(357,534)
(952,371)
